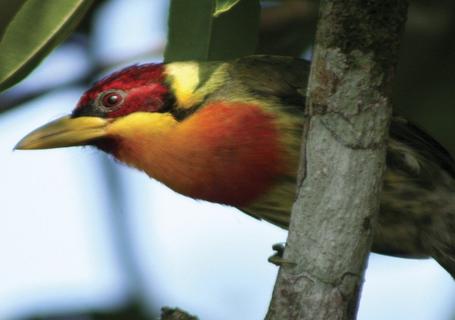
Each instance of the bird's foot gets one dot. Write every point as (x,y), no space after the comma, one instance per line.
(277,258)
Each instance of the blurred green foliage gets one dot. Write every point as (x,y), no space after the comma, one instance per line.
(31,30)
(9,11)
(212,29)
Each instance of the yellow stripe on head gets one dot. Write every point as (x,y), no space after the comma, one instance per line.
(184,77)
(192,81)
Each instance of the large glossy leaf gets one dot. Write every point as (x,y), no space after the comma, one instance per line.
(8,12)
(212,29)
(37,28)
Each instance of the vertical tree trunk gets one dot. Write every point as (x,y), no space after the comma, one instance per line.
(342,162)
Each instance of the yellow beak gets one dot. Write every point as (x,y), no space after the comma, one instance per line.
(65,132)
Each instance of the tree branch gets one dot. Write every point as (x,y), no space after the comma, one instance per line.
(343,155)
(175,314)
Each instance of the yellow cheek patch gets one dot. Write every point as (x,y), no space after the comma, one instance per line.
(140,136)
(141,123)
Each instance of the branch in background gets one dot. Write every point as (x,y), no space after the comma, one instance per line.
(343,158)
(175,314)
(121,234)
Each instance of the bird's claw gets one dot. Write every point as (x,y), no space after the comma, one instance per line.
(277,258)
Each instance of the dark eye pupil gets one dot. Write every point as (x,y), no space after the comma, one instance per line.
(111,100)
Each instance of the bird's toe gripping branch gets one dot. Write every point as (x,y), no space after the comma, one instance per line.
(277,258)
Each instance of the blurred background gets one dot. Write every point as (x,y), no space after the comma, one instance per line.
(82,237)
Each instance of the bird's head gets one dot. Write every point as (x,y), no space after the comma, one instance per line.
(136,90)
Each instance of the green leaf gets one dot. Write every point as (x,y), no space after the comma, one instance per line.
(195,33)
(8,12)
(37,28)
(223,6)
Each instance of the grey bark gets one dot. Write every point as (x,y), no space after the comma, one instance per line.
(342,161)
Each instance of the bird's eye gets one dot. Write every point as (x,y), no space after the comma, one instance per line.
(111,100)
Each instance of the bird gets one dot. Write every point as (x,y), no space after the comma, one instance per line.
(230,132)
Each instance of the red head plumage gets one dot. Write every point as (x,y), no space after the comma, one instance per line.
(135,88)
